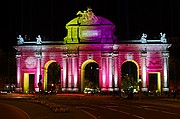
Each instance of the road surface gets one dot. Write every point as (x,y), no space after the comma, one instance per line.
(123,109)
(11,112)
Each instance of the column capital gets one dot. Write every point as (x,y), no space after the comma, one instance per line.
(109,54)
(64,56)
(72,55)
(165,89)
(38,54)
(165,54)
(18,55)
(144,54)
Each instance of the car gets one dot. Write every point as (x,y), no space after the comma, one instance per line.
(91,90)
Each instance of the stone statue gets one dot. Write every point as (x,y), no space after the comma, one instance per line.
(87,16)
(163,37)
(90,16)
(20,40)
(143,38)
(39,41)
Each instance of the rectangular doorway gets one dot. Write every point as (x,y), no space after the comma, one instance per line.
(154,81)
(29,83)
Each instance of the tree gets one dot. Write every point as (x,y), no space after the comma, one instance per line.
(128,83)
(89,84)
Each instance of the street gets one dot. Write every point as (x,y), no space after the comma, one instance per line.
(11,112)
(95,107)
(124,109)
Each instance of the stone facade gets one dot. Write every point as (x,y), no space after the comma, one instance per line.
(91,40)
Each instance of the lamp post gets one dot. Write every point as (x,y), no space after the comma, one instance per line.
(140,86)
(40,84)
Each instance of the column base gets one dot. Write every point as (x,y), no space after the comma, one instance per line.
(116,89)
(165,89)
(75,89)
(18,90)
(63,89)
(36,89)
(144,89)
(109,89)
(70,89)
(104,89)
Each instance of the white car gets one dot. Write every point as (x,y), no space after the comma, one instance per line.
(91,90)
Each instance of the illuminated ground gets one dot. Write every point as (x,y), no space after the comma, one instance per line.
(94,107)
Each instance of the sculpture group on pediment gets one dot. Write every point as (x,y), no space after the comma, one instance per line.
(87,16)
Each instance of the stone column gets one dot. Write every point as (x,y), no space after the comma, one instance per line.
(144,71)
(38,70)
(116,73)
(69,73)
(110,67)
(103,72)
(165,71)
(75,73)
(18,65)
(107,72)
(64,79)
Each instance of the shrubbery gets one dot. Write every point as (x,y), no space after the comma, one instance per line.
(53,106)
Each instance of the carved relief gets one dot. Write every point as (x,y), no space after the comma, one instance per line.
(52,56)
(128,56)
(30,62)
(154,62)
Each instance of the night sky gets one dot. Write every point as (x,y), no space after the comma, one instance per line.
(49,17)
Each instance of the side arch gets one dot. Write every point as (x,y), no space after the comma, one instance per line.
(46,73)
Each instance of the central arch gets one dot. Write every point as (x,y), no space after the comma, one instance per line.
(88,66)
(130,68)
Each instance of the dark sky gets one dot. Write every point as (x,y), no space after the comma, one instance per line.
(49,17)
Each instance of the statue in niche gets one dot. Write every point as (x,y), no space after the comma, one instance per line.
(87,16)
(163,37)
(39,41)
(143,38)
(20,40)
